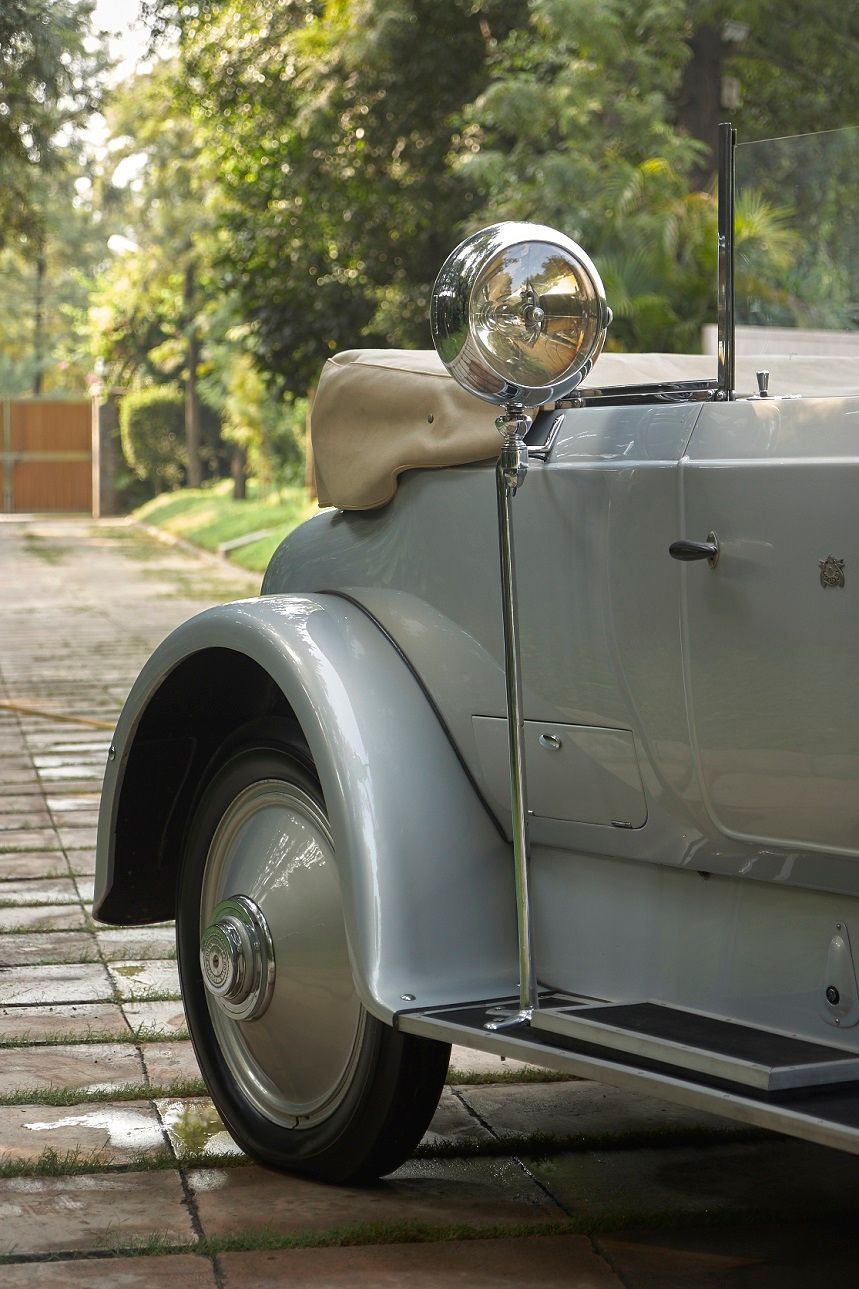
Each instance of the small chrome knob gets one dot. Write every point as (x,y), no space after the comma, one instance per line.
(763,379)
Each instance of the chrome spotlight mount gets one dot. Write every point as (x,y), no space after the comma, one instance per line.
(518,317)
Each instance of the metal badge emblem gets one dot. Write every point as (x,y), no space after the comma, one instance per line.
(831,571)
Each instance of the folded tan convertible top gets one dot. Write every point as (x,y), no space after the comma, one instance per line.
(379,412)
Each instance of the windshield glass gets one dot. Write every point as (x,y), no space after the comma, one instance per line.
(797,263)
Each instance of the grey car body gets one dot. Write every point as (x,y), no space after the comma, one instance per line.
(691,740)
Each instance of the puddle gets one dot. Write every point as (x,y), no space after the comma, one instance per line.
(130,973)
(125,1129)
(195,1128)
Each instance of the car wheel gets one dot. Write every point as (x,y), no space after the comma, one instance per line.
(302,1075)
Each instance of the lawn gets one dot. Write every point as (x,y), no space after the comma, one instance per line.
(209,516)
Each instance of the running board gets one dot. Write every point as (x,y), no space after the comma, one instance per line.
(828,1115)
(704,1045)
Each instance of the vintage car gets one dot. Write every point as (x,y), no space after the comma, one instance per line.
(541,738)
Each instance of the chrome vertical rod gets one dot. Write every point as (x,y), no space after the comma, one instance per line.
(725,294)
(509,476)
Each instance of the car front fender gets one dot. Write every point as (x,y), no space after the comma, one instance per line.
(426,879)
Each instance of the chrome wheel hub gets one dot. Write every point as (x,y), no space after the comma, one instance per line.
(237,958)
(291,1038)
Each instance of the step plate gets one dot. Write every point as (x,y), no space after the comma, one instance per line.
(718,1048)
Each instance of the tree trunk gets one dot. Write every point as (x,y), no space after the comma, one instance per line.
(309,470)
(699,107)
(39,320)
(238,469)
(192,400)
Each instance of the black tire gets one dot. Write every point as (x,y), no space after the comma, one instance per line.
(390,1087)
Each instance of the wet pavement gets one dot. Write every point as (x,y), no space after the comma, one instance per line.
(114,1167)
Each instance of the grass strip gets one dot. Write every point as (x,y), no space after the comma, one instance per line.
(53,1096)
(209,516)
(530,1074)
(76,1038)
(75,1163)
(266,1239)
(542,1145)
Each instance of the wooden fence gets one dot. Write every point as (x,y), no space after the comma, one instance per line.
(46,456)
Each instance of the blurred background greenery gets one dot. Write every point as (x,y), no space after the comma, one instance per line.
(278,179)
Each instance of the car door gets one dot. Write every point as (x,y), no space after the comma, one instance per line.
(771,633)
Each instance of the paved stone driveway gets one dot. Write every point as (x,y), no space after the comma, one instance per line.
(114,1169)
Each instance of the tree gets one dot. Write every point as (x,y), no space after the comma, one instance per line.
(46,291)
(774,67)
(50,69)
(147,309)
(328,127)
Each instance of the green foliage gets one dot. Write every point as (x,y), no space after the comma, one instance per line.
(50,66)
(209,516)
(151,423)
(289,178)
(797,65)
(269,430)
(336,201)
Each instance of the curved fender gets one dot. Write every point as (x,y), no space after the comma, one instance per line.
(427,883)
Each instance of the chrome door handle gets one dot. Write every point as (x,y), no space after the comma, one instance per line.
(687,551)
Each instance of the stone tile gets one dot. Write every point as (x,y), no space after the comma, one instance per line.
(584,1112)
(58,771)
(46,947)
(41,918)
(17,776)
(67,785)
(18,864)
(72,1021)
(54,890)
(453,1125)
(776,1179)
(26,801)
(748,1257)
(195,1128)
(76,838)
(23,818)
(106,1133)
(81,862)
(430,1192)
(29,839)
(172,1271)
(544,1262)
(168,1063)
(74,756)
(137,942)
(72,803)
(85,888)
(104,1210)
(70,983)
(467,1060)
(166,1019)
(77,817)
(141,980)
(88,1066)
